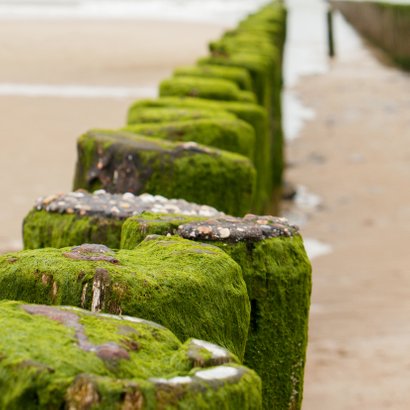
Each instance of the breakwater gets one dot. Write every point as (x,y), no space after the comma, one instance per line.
(213,137)
(385,24)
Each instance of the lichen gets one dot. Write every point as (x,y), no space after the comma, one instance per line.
(69,358)
(196,290)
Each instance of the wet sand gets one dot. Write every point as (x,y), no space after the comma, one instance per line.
(38,134)
(355,155)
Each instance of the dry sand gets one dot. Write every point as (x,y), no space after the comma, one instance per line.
(356,155)
(38,134)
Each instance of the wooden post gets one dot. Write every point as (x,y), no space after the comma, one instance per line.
(330,36)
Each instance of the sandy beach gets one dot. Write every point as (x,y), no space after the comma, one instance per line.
(38,134)
(355,156)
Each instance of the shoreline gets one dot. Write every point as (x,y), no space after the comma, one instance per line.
(354,156)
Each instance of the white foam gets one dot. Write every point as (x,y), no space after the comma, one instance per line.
(315,248)
(75,91)
(227,11)
(295,115)
(307,200)
(305,52)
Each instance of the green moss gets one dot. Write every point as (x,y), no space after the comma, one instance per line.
(208,88)
(266,75)
(278,277)
(54,358)
(256,65)
(194,289)
(244,41)
(277,273)
(170,114)
(228,134)
(257,45)
(250,113)
(266,80)
(42,229)
(137,228)
(118,162)
(235,74)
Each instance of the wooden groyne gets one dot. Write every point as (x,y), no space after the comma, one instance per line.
(118,246)
(386,25)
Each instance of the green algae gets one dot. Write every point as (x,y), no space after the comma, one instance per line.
(137,228)
(208,88)
(42,229)
(254,115)
(278,277)
(255,64)
(264,67)
(277,274)
(235,74)
(69,358)
(119,161)
(194,289)
(170,114)
(257,45)
(231,135)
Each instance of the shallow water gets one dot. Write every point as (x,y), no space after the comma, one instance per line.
(227,11)
(76,91)
(315,248)
(306,54)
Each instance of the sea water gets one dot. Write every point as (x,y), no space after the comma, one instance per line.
(220,11)
(224,12)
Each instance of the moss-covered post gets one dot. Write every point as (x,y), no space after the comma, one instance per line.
(257,45)
(145,114)
(238,75)
(119,161)
(64,357)
(250,113)
(228,134)
(194,289)
(277,273)
(136,228)
(330,34)
(208,88)
(62,220)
